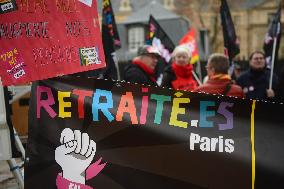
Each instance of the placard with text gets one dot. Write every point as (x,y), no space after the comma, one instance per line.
(43,39)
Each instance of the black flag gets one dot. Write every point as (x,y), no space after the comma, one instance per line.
(110,72)
(109,21)
(274,32)
(158,38)
(111,41)
(231,42)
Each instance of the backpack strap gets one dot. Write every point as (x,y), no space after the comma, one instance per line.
(228,88)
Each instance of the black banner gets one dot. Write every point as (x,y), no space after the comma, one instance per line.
(108,20)
(111,41)
(86,133)
(231,42)
(159,38)
(274,33)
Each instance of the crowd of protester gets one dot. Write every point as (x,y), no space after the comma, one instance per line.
(253,83)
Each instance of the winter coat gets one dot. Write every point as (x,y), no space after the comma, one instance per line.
(255,83)
(221,86)
(135,74)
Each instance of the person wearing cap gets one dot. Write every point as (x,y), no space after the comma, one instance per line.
(255,81)
(179,74)
(142,68)
(219,81)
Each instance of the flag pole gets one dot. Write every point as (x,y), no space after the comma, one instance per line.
(199,70)
(196,78)
(272,62)
(114,57)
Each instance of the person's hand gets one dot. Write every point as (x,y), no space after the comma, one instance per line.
(270,93)
(75,154)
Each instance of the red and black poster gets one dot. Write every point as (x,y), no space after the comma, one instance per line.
(41,39)
(87,133)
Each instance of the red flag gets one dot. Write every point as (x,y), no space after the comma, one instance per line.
(190,41)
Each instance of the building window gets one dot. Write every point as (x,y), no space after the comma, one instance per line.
(169,4)
(125,5)
(136,38)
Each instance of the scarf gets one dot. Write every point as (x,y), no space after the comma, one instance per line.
(221,77)
(145,68)
(184,80)
(182,71)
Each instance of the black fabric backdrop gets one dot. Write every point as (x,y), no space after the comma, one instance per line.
(158,155)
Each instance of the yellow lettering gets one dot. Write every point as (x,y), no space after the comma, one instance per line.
(176,110)
(63,104)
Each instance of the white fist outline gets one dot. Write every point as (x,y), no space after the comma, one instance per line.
(75,154)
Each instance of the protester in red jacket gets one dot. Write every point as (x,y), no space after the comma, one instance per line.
(179,74)
(219,81)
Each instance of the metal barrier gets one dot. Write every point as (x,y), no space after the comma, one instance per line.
(5,141)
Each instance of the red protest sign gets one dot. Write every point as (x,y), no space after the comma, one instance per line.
(46,38)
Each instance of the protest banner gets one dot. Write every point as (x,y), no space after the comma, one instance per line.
(44,39)
(87,133)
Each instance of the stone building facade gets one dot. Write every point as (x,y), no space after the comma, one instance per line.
(251,19)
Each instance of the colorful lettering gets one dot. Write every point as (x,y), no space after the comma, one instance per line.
(204,113)
(144,108)
(82,94)
(63,104)
(45,103)
(176,110)
(161,99)
(228,115)
(127,105)
(104,107)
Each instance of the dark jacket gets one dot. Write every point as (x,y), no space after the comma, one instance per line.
(255,83)
(134,74)
(218,86)
(280,87)
(168,77)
